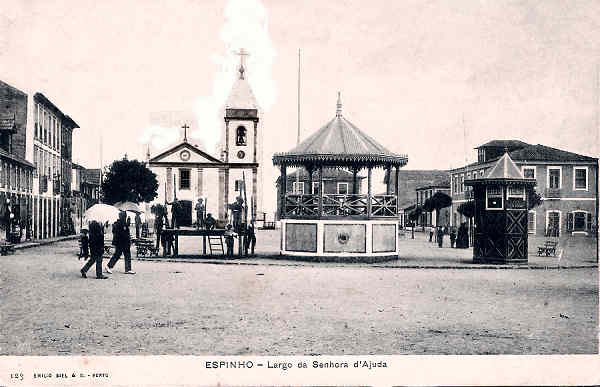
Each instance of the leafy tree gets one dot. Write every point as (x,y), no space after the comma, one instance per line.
(467,209)
(129,180)
(414,214)
(533,198)
(438,201)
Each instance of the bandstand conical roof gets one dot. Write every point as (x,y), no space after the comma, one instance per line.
(339,143)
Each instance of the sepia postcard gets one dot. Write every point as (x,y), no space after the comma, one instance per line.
(286,193)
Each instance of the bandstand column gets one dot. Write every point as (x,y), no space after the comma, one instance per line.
(397,190)
(283,187)
(369,192)
(389,180)
(355,180)
(321,191)
(309,170)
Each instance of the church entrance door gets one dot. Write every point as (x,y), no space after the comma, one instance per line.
(185,217)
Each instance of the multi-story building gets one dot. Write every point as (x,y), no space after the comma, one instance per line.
(431,218)
(34,129)
(85,188)
(410,180)
(566,181)
(16,173)
(52,157)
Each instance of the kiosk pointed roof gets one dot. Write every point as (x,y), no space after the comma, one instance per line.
(505,168)
(339,141)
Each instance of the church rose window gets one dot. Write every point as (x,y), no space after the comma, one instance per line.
(240,136)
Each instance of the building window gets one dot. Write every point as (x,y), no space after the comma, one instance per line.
(531,222)
(315,188)
(184,179)
(578,221)
(494,198)
(342,188)
(554,180)
(580,179)
(240,135)
(298,187)
(553,223)
(528,172)
(481,173)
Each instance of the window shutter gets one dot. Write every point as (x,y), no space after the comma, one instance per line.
(570,221)
(589,221)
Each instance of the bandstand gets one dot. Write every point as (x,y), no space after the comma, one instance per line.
(347,227)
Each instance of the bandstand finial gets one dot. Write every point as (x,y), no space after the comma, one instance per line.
(338,111)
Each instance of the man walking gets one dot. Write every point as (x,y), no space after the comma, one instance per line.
(122,243)
(96,250)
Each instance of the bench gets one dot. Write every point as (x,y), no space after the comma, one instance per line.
(548,248)
(269,226)
(7,248)
(145,248)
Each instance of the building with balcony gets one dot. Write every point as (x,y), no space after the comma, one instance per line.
(566,181)
(16,173)
(51,145)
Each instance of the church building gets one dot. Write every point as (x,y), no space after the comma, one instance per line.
(186,172)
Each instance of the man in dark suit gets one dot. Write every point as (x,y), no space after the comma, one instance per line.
(122,243)
(96,243)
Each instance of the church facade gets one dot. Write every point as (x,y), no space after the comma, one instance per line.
(186,172)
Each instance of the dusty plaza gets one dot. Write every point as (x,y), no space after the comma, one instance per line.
(429,301)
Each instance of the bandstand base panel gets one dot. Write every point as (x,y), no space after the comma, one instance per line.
(339,240)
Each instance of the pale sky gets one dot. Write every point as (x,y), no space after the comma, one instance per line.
(410,72)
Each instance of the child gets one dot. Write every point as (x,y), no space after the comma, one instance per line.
(229,235)
(84,249)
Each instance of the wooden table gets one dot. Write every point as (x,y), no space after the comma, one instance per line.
(203,233)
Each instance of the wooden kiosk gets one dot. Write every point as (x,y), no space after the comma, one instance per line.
(339,227)
(501,214)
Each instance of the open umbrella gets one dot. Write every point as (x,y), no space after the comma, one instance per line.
(101,213)
(127,206)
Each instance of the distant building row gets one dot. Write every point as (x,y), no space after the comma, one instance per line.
(42,192)
(566,181)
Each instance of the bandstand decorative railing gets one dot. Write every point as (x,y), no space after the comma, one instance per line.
(340,206)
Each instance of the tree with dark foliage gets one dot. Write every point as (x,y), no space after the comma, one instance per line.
(129,180)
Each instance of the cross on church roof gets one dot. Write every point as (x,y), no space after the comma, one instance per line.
(242,53)
(185,127)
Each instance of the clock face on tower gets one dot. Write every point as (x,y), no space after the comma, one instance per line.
(184,155)
(241,154)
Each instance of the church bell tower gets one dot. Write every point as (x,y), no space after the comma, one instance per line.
(242,143)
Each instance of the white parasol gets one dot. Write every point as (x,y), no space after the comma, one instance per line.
(127,206)
(101,213)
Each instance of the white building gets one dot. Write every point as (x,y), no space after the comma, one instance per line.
(187,172)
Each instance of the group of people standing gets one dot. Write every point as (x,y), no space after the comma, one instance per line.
(458,239)
(95,245)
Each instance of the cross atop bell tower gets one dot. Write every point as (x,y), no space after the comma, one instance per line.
(242,53)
